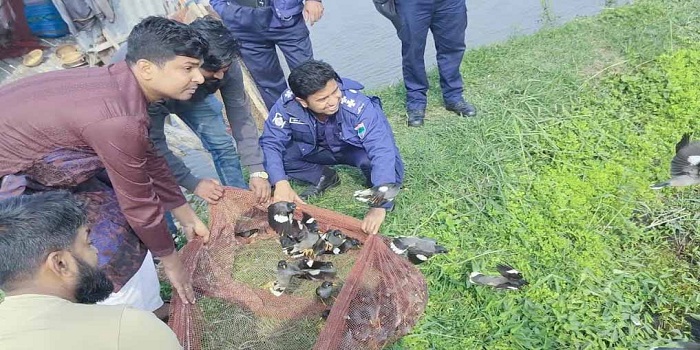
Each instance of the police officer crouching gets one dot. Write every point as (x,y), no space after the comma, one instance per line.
(324,120)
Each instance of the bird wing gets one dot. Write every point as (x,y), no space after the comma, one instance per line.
(481,279)
(508,271)
(685,140)
(686,161)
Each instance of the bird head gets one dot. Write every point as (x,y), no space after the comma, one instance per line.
(440,250)
(327,284)
(337,233)
(282,264)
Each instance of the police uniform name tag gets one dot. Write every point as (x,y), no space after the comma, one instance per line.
(278,120)
(293,120)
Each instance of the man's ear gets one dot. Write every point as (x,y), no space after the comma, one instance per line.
(62,264)
(302,102)
(145,69)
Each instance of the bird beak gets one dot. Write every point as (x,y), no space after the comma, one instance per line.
(660,185)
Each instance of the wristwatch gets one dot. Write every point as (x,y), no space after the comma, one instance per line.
(260,174)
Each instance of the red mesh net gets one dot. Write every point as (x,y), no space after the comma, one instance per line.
(380,295)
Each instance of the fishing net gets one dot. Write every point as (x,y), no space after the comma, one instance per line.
(380,295)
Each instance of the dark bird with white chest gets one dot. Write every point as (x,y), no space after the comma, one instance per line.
(417,249)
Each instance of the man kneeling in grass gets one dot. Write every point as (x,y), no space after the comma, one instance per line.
(324,120)
(48,268)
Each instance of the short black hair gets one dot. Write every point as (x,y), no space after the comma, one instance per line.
(223,47)
(159,40)
(31,227)
(310,77)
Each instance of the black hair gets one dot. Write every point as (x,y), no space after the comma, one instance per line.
(223,47)
(159,40)
(31,227)
(310,77)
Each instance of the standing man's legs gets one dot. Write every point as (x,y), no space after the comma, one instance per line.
(260,57)
(449,30)
(416,17)
(206,120)
(294,42)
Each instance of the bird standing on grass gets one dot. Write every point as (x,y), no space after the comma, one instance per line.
(280,216)
(325,291)
(285,272)
(685,166)
(510,278)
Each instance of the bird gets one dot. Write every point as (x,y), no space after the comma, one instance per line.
(685,165)
(310,223)
(378,196)
(307,243)
(334,239)
(349,243)
(417,249)
(325,290)
(316,270)
(509,278)
(285,272)
(325,314)
(248,233)
(280,216)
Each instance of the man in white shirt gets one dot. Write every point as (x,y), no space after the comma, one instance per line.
(48,270)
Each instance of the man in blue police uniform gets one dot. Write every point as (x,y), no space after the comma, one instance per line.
(447,20)
(324,120)
(260,25)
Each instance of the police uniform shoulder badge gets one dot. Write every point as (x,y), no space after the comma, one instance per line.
(278,120)
(361,130)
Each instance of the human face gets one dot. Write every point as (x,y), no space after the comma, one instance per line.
(212,83)
(324,102)
(219,74)
(92,284)
(177,79)
(83,248)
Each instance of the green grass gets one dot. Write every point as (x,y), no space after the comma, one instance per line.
(574,124)
(552,177)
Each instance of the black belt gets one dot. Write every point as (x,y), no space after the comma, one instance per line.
(254,3)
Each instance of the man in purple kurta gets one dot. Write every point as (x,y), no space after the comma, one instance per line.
(64,129)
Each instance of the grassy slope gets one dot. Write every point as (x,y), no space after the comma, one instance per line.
(575,122)
(552,178)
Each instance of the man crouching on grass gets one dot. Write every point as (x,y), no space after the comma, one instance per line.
(324,120)
(48,268)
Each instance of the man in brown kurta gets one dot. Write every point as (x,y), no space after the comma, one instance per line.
(63,129)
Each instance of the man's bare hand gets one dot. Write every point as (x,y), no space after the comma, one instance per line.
(172,265)
(373,220)
(261,189)
(196,229)
(313,11)
(284,192)
(210,190)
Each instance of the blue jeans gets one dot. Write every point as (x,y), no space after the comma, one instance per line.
(207,122)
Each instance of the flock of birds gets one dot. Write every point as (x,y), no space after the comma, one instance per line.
(305,245)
